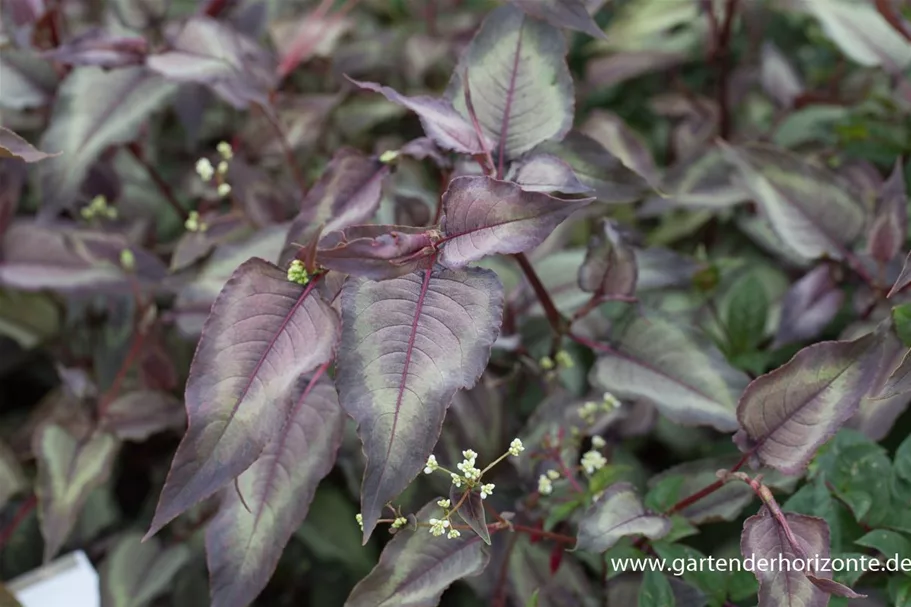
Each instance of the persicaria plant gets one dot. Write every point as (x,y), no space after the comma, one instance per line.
(611,282)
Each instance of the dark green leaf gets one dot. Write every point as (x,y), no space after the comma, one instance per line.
(655,591)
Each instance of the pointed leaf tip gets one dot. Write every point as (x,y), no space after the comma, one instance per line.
(235,405)
(407,345)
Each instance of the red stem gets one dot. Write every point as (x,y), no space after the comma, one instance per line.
(166,190)
(286,149)
(215,7)
(721,58)
(21,514)
(550,310)
(135,348)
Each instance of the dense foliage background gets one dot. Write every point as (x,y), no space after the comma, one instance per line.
(651,239)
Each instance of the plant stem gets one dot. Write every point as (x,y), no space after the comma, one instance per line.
(557,323)
(24,509)
(135,348)
(162,184)
(538,533)
(722,49)
(286,149)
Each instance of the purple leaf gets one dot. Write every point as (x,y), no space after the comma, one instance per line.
(14,146)
(475,418)
(904,278)
(423,148)
(530,576)
(483,216)
(521,88)
(890,227)
(863,34)
(569,14)
(94,109)
(136,572)
(809,306)
(703,181)
(611,131)
(348,192)
(764,537)
(28,80)
(681,372)
(193,246)
(889,395)
(97,47)
(616,514)
(779,78)
(618,67)
(243,546)
(63,258)
(810,208)
(471,511)
(442,123)
(377,252)
(211,52)
(262,334)
(138,415)
(416,567)
(786,414)
(597,168)
(545,173)
(69,468)
(610,264)
(407,345)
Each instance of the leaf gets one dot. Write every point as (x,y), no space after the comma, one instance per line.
(890,227)
(779,78)
(100,48)
(597,168)
(764,538)
(619,512)
(786,414)
(888,543)
(746,314)
(901,320)
(134,572)
(270,500)
(521,88)
(348,192)
(471,511)
(442,123)
(529,573)
(12,478)
(377,252)
(569,14)
(862,34)
(330,534)
(28,81)
(860,479)
(14,146)
(681,372)
(904,278)
(94,109)
(139,414)
(655,591)
(407,345)
(886,400)
(210,52)
(611,131)
(813,211)
(416,567)
(545,173)
(483,216)
(262,334)
(69,467)
(809,306)
(610,264)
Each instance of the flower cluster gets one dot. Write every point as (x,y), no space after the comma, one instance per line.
(207,171)
(467,467)
(193,224)
(561,359)
(546,482)
(592,460)
(298,273)
(360,520)
(516,447)
(589,410)
(98,207)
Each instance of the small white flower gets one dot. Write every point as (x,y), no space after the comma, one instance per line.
(516,447)
(438,526)
(224,148)
(545,486)
(553,475)
(609,402)
(563,359)
(223,167)
(205,169)
(486,490)
(453,534)
(588,411)
(456,480)
(592,460)
(470,456)
(467,467)
(193,224)
(431,464)
(547,363)
(444,503)
(360,520)
(224,189)
(399,522)
(598,442)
